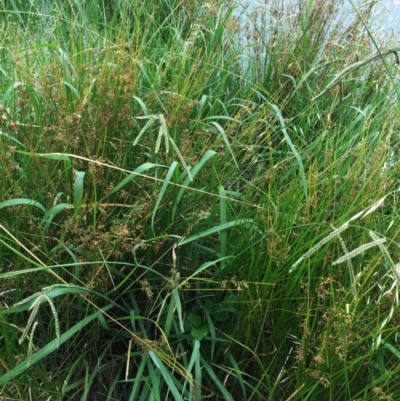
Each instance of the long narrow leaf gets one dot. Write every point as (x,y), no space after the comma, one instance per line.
(50,347)
(194,171)
(130,177)
(293,149)
(214,230)
(222,218)
(55,292)
(162,191)
(226,140)
(78,192)
(166,376)
(22,201)
(214,378)
(52,212)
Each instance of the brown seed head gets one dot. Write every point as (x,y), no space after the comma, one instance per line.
(12,126)
(4,117)
(2,107)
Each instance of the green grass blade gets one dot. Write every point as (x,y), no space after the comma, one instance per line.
(238,374)
(53,293)
(193,358)
(178,305)
(142,105)
(144,167)
(50,347)
(226,140)
(138,380)
(222,218)
(214,230)
(52,212)
(18,13)
(204,266)
(12,139)
(293,149)
(166,376)
(164,187)
(20,202)
(48,156)
(78,192)
(210,154)
(227,396)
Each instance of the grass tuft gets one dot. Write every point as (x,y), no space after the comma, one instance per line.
(172,174)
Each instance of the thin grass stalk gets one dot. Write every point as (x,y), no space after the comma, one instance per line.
(349,267)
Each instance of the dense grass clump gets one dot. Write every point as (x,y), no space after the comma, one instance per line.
(198,201)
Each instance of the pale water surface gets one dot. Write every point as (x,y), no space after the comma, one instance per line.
(387,14)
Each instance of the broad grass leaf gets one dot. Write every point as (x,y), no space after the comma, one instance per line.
(200,332)
(20,202)
(78,192)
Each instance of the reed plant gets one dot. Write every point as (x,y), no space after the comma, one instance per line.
(199,200)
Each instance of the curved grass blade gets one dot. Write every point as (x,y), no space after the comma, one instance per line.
(214,230)
(78,192)
(222,219)
(11,138)
(130,177)
(194,357)
(204,266)
(239,374)
(214,378)
(22,201)
(210,154)
(162,191)
(178,153)
(50,347)
(9,91)
(226,140)
(52,212)
(194,171)
(52,293)
(142,105)
(50,156)
(293,149)
(166,376)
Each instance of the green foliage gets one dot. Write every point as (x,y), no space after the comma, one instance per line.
(221,248)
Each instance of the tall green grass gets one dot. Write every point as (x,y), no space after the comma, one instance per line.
(198,201)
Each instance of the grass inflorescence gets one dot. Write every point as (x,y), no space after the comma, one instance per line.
(188,195)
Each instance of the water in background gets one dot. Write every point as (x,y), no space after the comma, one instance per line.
(387,15)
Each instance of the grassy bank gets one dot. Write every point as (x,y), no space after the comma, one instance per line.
(197,202)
